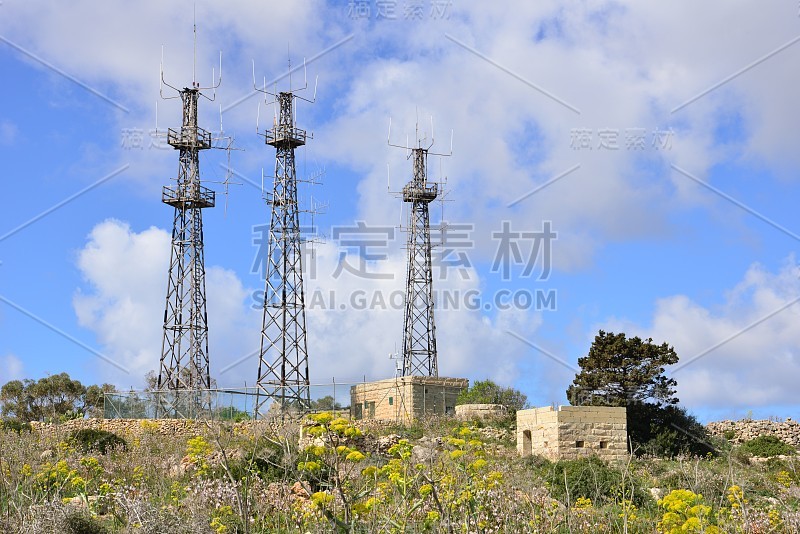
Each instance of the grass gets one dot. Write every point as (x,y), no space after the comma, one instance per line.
(258,479)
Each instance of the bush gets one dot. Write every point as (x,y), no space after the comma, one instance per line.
(536,462)
(83,524)
(15,425)
(590,478)
(667,431)
(102,441)
(767,446)
(269,463)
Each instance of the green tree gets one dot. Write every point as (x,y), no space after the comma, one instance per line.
(94,398)
(620,372)
(325,403)
(49,398)
(487,392)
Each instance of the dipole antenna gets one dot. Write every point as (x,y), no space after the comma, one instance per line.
(283,369)
(419,351)
(184,371)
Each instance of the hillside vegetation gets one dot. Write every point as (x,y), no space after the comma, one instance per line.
(328,475)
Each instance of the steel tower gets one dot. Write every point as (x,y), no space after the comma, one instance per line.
(419,328)
(184,352)
(283,361)
(184,361)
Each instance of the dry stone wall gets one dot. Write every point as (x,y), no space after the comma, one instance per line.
(182,428)
(747,429)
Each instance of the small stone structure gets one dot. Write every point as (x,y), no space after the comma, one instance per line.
(405,398)
(573,432)
(480,411)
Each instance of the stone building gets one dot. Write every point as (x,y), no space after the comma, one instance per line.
(573,432)
(405,398)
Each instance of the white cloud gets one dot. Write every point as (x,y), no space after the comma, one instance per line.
(354,342)
(11,368)
(125,273)
(753,365)
(619,63)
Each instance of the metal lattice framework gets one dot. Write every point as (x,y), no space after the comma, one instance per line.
(184,352)
(419,328)
(283,362)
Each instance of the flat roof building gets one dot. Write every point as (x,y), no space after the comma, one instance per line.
(405,398)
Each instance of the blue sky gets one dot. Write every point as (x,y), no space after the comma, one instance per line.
(689,237)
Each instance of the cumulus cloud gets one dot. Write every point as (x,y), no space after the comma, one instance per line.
(125,274)
(739,355)
(354,339)
(618,63)
(11,368)
(354,322)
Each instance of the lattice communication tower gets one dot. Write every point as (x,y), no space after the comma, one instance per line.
(184,352)
(419,327)
(283,359)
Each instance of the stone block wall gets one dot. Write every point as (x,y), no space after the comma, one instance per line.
(573,432)
(480,411)
(405,398)
(747,429)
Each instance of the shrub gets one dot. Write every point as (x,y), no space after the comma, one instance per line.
(589,478)
(536,462)
(767,446)
(15,425)
(79,523)
(667,431)
(685,511)
(413,430)
(269,463)
(102,441)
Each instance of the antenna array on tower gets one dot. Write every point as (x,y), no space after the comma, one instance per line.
(184,363)
(283,358)
(419,327)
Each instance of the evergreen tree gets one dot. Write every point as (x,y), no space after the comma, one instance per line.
(619,371)
(630,372)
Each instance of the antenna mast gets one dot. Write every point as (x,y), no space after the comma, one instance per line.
(184,361)
(419,328)
(283,362)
